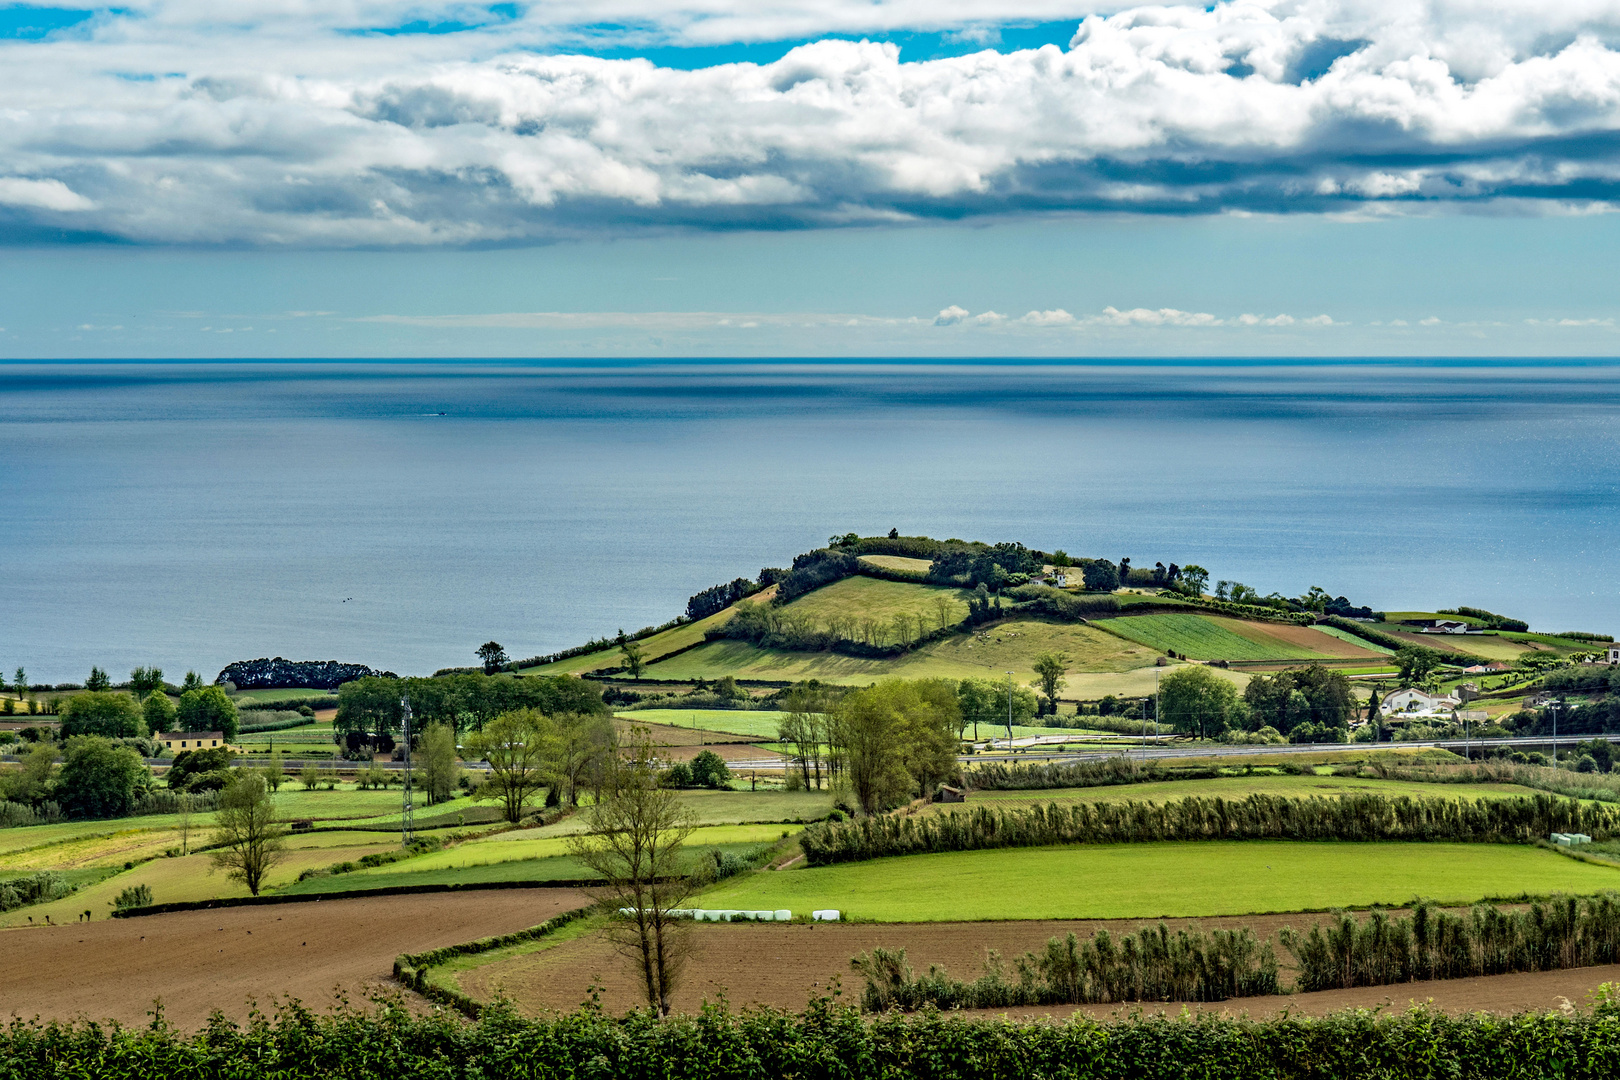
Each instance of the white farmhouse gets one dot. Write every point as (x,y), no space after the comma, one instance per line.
(1411,702)
(1614,652)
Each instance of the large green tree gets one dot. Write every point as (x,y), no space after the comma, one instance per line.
(898,738)
(518,747)
(439,765)
(1049,671)
(115,716)
(1197,701)
(158,712)
(144,681)
(208,708)
(99,779)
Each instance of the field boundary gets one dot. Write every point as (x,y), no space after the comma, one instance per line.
(411,969)
(347,894)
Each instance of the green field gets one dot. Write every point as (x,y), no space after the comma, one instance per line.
(898,562)
(989,654)
(750,723)
(1345,635)
(1239,787)
(873,598)
(1196,879)
(660,644)
(1207,637)
(317,699)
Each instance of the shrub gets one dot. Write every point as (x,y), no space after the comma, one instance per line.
(136,896)
(34,889)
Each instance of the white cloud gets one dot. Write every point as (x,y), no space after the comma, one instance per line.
(1055,317)
(1156,317)
(41,195)
(283,126)
(951,316)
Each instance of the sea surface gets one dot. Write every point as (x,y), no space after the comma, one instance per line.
(399,515)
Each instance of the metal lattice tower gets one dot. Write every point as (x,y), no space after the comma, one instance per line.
(405,821)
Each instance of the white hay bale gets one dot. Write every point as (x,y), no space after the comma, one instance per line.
(825,915)
(783,915)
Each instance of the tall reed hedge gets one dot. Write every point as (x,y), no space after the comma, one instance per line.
(1257,817)
(1568,932)
(1153,964)
(826,1041)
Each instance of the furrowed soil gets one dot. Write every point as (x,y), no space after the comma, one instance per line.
(785,965)
(199,961)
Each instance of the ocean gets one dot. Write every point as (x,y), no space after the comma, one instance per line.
(400,514)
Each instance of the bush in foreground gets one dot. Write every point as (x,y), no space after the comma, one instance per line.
(825,1041)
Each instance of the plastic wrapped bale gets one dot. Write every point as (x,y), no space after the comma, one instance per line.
(783,915)
(825,915)
(727,914)
(762,916)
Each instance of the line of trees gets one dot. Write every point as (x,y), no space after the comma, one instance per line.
(1152,964)
(1567,932)
(1256,817)
(466,702)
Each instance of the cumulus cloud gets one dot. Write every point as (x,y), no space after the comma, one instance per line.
(951,316)
(300,124)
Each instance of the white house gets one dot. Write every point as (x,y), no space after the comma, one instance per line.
(1411,702)
(1614,652)
(1446,626)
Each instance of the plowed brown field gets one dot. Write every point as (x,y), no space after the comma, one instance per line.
(198,961)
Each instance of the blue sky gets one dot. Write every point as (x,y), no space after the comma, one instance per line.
(809,177)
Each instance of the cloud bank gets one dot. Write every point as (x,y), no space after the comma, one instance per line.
(307,125)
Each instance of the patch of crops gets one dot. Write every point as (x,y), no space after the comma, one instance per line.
(1202,637)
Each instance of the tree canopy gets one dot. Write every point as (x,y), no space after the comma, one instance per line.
(96,712)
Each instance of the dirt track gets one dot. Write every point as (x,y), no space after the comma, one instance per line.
(197,961)
(785,965)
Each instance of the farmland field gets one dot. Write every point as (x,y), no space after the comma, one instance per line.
(660,644)
(898,562)
(1347,636)
(1209,637)
(1009,646)
(874,598)
(246,699)
(750,723)
(1239,787)
(1163,879)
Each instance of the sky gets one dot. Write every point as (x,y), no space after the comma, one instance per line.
(670,178)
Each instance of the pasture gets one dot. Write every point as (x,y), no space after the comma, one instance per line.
(1239,787)
(653,647)
(898,562)
(1187,879)
(1211,637)
(750,723)
(1099,660)
(862,598)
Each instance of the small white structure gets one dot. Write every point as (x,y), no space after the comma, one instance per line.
(1410,702)
(1446,626)
(825,915)
(1614,652)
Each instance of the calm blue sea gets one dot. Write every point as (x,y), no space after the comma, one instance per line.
(401,514)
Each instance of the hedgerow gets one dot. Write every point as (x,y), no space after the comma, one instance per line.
(826,1041)
(1567,932)
(1257,817)
(1153,964)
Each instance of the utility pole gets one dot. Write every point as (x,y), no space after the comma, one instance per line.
(1009,712)
(405,820)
